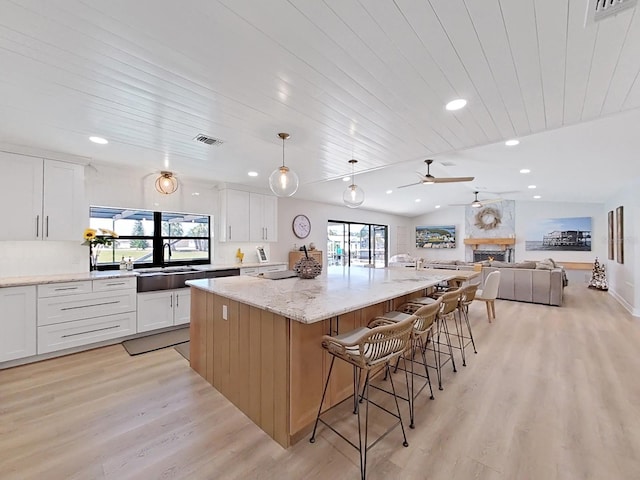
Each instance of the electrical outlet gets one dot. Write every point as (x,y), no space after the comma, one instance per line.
(224,312)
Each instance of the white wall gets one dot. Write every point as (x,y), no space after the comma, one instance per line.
(623,278)
(319,214)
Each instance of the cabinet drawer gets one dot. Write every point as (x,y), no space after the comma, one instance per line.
(64,288)
(114,284)
(249,271)
(86,305)
(83,332)
(273,268)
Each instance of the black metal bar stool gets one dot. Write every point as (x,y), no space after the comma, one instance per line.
(467,296)
(367,349)
(448,307)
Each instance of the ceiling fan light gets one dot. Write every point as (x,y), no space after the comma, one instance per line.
(166,183)
(283,181)
(476,204)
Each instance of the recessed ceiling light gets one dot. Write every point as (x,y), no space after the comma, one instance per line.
(512,143)
(537,196)
(389,191)
(437,206)
(418,200)
(456,104)
(99,140)
(531,187)
(195,194)
(346,179)
(525,170)
(252,174)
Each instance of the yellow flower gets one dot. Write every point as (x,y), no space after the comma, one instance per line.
(90,234)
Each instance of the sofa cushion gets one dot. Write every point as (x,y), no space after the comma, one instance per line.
(529,265)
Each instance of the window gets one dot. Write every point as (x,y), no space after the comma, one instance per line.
(356,244)
(148,237)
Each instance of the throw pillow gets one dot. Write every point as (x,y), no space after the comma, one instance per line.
(530,265)
(544,265)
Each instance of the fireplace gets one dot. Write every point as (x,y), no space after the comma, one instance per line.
(497,255)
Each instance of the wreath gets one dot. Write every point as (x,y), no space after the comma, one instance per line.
(488,218)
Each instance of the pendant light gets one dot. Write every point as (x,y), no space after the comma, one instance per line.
(353,196)
(166,183)
(283,181)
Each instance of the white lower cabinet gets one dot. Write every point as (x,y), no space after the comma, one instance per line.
(79,313)
(17,322)
(258,270)
(163,309)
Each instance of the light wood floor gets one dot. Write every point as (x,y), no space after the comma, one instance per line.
(552,394)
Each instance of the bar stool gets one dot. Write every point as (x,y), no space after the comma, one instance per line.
(420,337)
(467,296)
(448,307)
(367,349)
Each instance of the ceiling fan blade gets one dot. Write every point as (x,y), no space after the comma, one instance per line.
(410,185)
(491,200)
(453,179)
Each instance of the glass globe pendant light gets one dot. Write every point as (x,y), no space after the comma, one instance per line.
(353,195)
(283,181)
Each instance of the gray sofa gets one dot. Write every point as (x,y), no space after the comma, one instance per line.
(533,285)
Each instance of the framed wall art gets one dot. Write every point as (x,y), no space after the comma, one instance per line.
(620,233)
(565,234)
(439,236)
(610,235)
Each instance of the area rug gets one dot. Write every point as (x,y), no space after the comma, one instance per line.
(183,349)
(156,342)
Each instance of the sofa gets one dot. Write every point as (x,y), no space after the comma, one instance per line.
(534,282)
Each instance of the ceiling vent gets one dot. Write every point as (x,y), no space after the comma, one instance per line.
(208,140)
(600,9)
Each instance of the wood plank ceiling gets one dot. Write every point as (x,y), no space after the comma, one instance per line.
(348,79)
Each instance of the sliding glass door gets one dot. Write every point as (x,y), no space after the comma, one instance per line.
(356,244)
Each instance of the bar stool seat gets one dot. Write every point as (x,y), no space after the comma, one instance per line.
(367,349)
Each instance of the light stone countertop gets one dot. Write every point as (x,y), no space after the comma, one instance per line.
(63,277)
(335,292)
(80,276)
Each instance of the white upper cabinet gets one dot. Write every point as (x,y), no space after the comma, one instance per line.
(64,210)
(234,216)
(248,217)
(44,198)
(263,220)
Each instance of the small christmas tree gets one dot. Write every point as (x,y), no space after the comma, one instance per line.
(598,276)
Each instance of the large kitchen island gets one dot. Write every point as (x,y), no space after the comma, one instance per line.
(257,341)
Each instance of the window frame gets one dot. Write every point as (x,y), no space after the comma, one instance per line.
(157,241)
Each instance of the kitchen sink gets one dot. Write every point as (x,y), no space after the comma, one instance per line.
(168,278)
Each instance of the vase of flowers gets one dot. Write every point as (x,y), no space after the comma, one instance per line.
(96,243)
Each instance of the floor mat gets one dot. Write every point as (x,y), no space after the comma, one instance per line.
(156,342)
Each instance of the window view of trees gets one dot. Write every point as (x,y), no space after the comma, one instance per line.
(142,233)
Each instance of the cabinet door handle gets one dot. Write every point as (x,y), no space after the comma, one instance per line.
(229,232)
(171,301)
(177,300)
(37,226)
(47,226)
(116,283)
(266,233)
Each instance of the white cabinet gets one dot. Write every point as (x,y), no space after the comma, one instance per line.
(46,198)
(17,322)
(266,268)
(248,217)
(234,216)
(73,314)
(263,220)
(163,309)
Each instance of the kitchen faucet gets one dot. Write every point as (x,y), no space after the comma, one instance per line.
(166,244)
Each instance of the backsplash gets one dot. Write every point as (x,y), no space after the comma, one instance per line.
(19,258)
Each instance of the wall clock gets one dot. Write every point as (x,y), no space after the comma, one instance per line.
(301,226)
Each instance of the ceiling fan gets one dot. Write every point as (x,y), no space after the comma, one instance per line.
(477,203)
(429,179)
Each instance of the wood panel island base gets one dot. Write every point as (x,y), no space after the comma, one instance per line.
(257,341)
